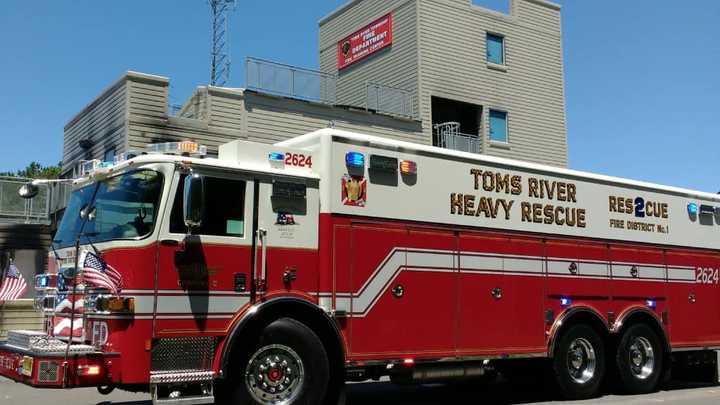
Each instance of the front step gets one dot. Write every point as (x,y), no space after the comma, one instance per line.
(185,387)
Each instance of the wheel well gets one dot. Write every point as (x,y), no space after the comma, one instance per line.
(642,317)
(302,311)
(583,316)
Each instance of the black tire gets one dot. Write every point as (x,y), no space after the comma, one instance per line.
(283,334)
(639,360)
(579,346)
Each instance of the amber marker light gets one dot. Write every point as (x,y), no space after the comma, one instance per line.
(408,167)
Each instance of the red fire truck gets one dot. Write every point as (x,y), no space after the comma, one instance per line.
(275,273)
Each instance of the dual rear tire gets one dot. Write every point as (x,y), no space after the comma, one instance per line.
(580,362)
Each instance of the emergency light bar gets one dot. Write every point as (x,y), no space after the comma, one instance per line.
(185,148)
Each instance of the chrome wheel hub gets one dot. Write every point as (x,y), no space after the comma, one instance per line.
(274,375)
(581,361)
(642,358)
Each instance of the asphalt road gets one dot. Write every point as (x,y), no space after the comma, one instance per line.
(384,393)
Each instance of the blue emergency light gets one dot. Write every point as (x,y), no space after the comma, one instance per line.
(651,303)
(276,157)
(355,159)
(564,302)
(692,209)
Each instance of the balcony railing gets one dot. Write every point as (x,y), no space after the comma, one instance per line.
(389,100)
(290,81)
(448,136)
(14,209)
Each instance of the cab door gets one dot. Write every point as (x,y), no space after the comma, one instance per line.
(286,238)
(203,274)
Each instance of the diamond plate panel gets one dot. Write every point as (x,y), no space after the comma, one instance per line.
(48,372)
(185,353)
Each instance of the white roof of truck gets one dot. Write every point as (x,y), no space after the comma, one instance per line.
(313,138)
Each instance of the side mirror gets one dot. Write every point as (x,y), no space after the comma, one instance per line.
(28,190)
(193,200)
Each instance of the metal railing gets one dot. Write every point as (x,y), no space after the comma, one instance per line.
(389,100)
(14,209)
(290,81)
(448,136)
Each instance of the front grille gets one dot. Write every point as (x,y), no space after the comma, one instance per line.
(48,372)
(185,353)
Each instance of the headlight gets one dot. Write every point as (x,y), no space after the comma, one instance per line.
(115,304)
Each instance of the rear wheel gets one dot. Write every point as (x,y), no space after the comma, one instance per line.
(639,359)
(288,366)
(579,362)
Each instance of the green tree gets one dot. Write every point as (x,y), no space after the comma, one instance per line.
(36,171)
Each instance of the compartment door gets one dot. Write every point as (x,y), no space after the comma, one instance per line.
(405,288)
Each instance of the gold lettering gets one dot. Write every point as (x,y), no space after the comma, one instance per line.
(502,183)
(488,181)
(558,218)
(516,183)
(561,191)
(507,205)
(549,217)
(469,204)
(613,204)
(456,203)
(581,218)
(476,173)
(525,212)
(537,213)
(533,188)
(571,191)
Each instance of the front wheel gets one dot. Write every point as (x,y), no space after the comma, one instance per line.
(639,360)
(288,366)
(579,362)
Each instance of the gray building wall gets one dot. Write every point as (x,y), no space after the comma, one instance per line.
(439,49)
(136,106)
(396,67)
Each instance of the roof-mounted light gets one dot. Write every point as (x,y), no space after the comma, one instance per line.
(408,167)
(184,148)
(355,159)
(692,209)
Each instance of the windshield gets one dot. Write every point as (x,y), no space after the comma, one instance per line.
(121,207)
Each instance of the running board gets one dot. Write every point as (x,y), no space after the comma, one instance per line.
(186,387)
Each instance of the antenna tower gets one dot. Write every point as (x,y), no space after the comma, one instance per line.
(220,53)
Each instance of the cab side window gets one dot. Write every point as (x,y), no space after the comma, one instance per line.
(224,208)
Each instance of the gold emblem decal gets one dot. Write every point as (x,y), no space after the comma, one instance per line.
(354,190)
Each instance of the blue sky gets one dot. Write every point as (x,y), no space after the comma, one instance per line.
(642,76)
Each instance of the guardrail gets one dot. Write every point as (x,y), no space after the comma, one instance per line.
(290,81)
(15,209)
(448,136)
(389,100)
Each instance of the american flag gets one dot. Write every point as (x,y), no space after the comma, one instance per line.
(13,286)
(63,310)
(99,274)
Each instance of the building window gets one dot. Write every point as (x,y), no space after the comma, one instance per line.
(498,126)
(109,155)
(496,49)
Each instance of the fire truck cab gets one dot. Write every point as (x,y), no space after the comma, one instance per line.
(275,273)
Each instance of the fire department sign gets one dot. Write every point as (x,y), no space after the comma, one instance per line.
(366,41)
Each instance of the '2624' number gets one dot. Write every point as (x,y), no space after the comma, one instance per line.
(707,275)
(299,160)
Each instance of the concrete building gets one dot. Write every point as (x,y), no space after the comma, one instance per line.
(442,72)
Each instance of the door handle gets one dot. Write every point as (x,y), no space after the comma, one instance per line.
(262,241)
